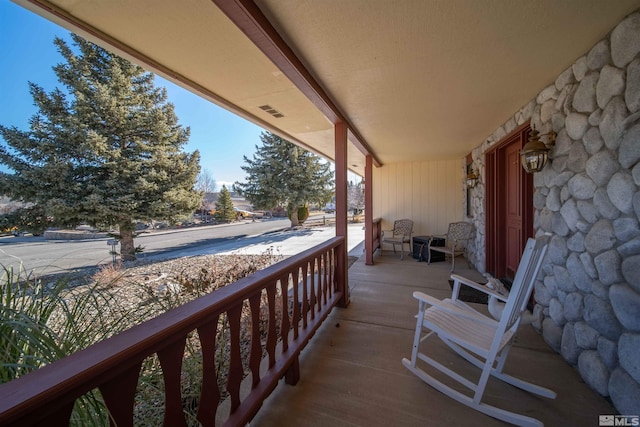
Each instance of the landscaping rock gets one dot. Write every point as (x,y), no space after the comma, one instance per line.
(586,336)
(608,351)
(577,124)
(579,277)
(626,228)
(599,55)
(631,271)
(632,92)
(553,199)
(580,68)
(588,211)
(598,313)
(565,78)
(543,295)
(610,84)
(630,147)
(587,263)
(626,306)
(581,187)
(600,290)
(608,266)
(632,247)
(569,347)
(635,173)
(559,225)
(573,307)
(557,250)
(624,392)
(556,312)
(628,351)
(625,41)
(602,203)
(576,242)
(594,371)
(600,238)
(620,190)
(601,167)
(592,140)
(570,214)
(563,279)
(611,123)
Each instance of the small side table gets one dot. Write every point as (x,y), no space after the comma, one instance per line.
(420,245)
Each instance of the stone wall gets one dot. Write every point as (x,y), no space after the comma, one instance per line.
(588,196)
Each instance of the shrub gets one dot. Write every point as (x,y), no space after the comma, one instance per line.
(40,323)
(303,214)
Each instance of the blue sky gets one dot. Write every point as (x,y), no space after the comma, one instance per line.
(27,54)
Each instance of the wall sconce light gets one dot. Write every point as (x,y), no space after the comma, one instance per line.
(535,153)
(472,178)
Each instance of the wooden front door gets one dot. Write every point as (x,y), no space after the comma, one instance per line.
(513,208)
(509,204)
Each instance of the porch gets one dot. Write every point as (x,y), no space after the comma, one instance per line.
(351,372)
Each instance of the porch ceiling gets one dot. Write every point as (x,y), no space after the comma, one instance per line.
(416,79)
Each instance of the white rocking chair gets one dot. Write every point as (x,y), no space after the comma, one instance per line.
(479,339)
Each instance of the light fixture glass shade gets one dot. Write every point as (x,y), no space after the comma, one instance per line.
(535,153)
(472,179)
(534,161)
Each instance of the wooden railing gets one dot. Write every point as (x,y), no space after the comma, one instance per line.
(375,236)
(289,299)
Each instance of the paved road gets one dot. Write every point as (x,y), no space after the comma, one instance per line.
(48,257)
(44,257)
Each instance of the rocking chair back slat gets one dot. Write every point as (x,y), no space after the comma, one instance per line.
(523,282)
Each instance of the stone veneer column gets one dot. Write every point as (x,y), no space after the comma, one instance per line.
(588,196)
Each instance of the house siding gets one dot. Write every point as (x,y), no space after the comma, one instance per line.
(427,192)
(588,197)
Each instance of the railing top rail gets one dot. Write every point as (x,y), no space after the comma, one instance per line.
(82,371)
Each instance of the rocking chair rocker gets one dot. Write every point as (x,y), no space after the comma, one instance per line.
(479,339)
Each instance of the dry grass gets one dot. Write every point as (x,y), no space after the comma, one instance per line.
(118,297)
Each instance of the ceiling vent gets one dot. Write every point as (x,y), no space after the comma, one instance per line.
(269,109)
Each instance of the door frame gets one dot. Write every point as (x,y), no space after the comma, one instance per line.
(495,201)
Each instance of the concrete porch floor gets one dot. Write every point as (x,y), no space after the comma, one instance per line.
(352,375)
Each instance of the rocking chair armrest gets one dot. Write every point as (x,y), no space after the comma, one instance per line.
(478,286)
(444,306)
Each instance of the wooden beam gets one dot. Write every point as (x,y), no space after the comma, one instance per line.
(248,17)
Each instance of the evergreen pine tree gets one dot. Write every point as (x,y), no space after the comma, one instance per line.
(224,207)
(106,151)
(283,174)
